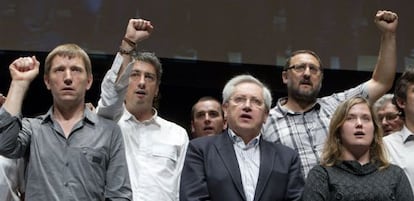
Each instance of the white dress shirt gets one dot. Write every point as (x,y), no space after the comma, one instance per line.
(400,146)
(11,178)
(155,148)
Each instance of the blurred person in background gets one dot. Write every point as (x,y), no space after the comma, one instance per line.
(207,117)
(389,116)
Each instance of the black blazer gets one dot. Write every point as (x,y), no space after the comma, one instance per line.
(211,172)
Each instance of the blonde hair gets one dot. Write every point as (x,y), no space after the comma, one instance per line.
(68,50)
(333,147)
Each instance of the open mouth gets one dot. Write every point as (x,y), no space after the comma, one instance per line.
(245,116)
(208,128)
(140,92)
(359,133)
(306,82)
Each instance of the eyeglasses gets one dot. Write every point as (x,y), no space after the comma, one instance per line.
(389,116)
(300,68)
(242,100)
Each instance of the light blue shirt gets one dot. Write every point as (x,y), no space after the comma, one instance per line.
(248,157)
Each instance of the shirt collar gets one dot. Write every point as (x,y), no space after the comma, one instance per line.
(284,111)
(237,139)
(88,116)
(153,120)
(406,134)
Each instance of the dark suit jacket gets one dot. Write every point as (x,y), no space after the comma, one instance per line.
(211,172)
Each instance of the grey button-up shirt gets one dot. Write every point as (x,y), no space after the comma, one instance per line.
(89,165)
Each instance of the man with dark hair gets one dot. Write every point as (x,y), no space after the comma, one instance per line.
(155,147)
(301,120)
(207,117)
(400,144)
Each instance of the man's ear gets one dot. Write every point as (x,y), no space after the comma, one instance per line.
(192,127)
(90,80)
(400,102)
(46,81)
(224,107)
(284,77)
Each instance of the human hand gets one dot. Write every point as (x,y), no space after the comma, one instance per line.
(138,30)
(24,69)
(386,21)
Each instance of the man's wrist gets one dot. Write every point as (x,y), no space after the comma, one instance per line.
(125,52)
(128,47)
(130,42)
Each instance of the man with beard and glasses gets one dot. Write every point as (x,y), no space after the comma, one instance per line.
(301,120)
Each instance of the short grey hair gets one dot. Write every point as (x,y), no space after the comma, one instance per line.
(382,101)
(229,88)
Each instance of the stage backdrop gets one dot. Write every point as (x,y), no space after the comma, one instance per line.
(233,31)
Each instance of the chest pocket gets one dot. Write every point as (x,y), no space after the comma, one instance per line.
(165,152)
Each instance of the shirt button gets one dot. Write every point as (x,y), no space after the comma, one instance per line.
(67,164)
(66,184)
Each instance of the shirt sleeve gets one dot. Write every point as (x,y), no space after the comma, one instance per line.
(110,104)
(118,187)
(14,135)
(330,103)
(21,164)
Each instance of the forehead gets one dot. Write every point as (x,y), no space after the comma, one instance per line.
(248,89)
(359,108)
(410,87)
(304,58)
(207,105)
(144,67)
(58,61)
(387,107)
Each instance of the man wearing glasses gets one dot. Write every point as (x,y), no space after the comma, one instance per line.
(301,119)
(237,164)
(388,115)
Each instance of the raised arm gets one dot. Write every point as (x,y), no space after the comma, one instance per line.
(115,82)
(13,137)
(384,72)
(137,31)
(23,70)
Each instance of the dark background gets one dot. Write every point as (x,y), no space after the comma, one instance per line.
(183,82)
(202,44)
(264,32)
